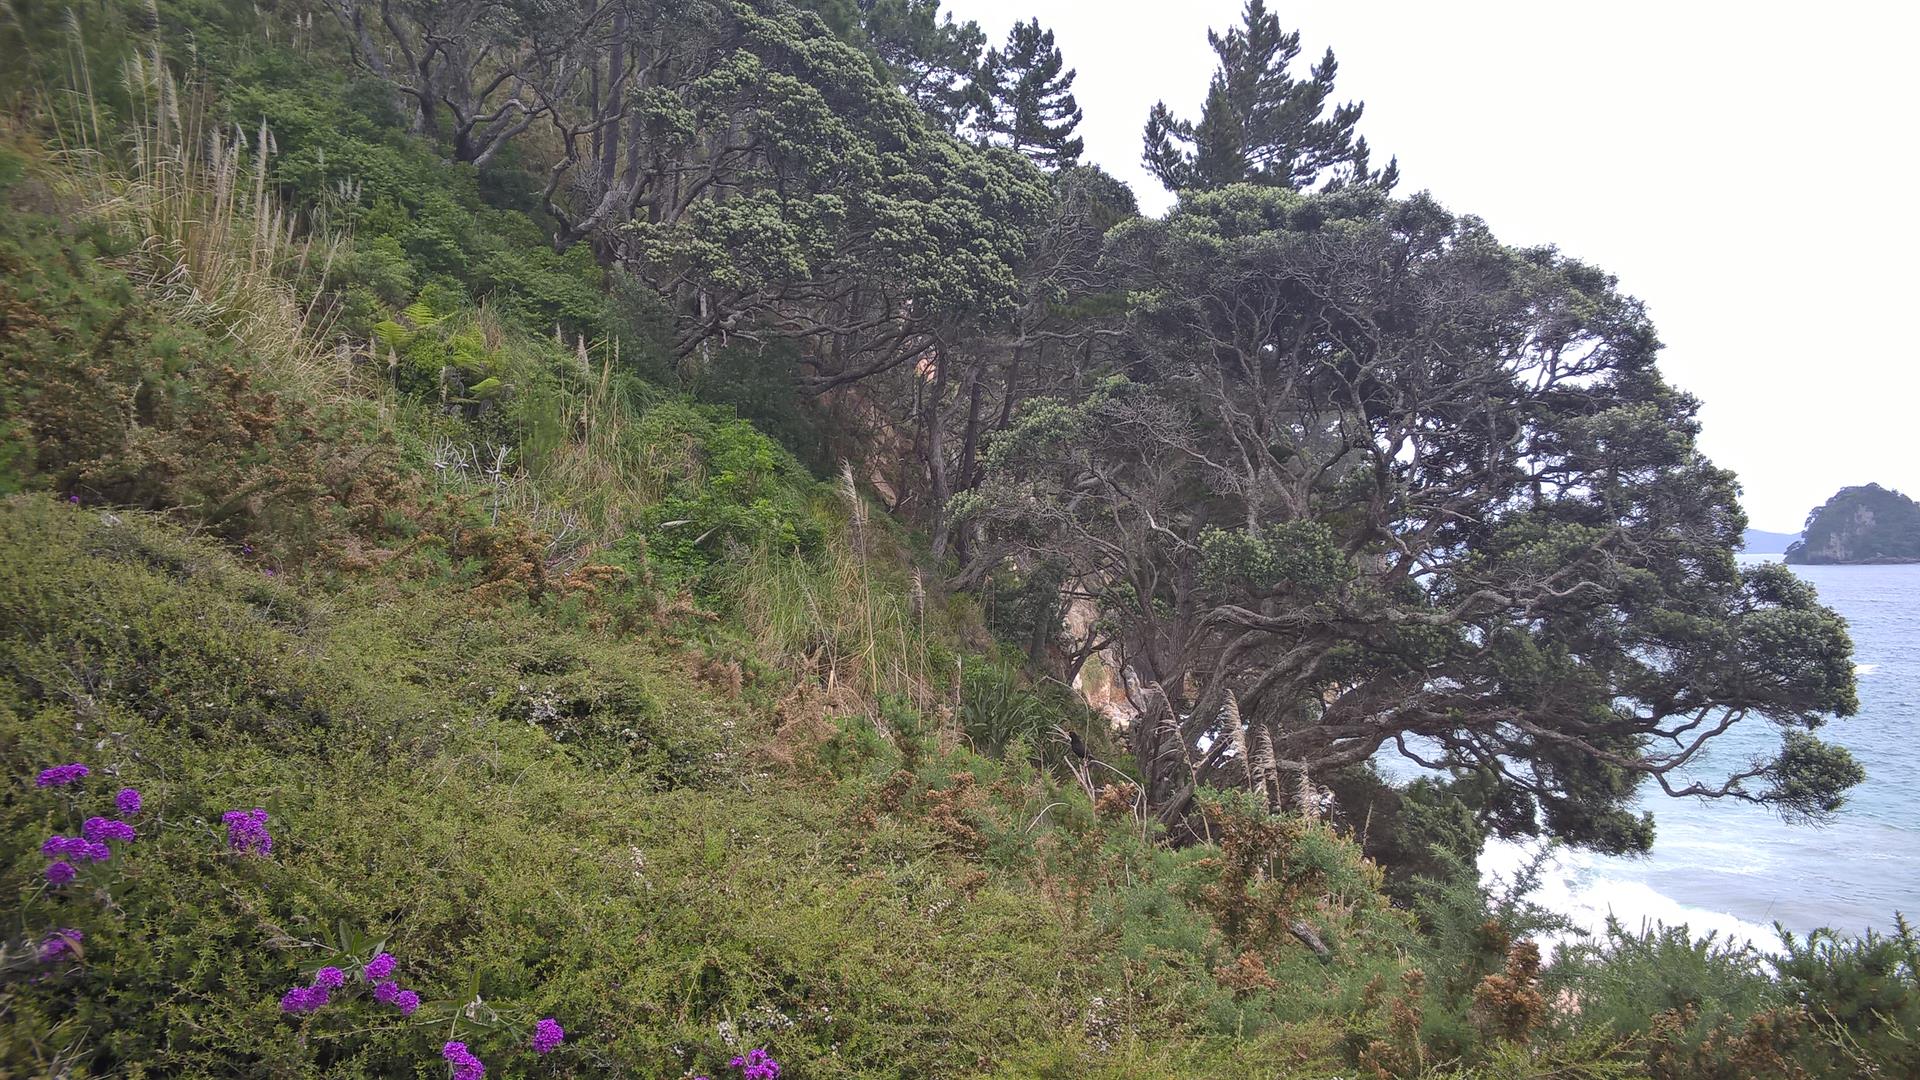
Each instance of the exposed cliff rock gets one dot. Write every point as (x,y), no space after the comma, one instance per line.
(1867,524)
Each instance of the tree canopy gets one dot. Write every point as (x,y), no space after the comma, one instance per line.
(1364,478)
(1027,98)
(1260,124)
(1333,473)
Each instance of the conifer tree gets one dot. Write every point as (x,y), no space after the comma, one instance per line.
(933,58)
(1028,100)
(1260,124)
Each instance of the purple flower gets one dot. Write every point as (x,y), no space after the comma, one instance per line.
(547,1034)
(61,872)
(757,1065)
(75,848)
(247,831)
(465,1065)
(379,967)
(386,993)
(127,802)
(303,999)
(407,1001)
(58,943)
(99,828)
(329,978)
(74,499)
(60,775)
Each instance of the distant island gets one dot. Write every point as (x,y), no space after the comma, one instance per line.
(1762,542)
(1867,524)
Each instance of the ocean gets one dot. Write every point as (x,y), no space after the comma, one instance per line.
(1738,869)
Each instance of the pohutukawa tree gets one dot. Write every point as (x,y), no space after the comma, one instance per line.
(787,192)
(761,173)
(478,73)
(1063,314)
(1367,479)
(1260,124)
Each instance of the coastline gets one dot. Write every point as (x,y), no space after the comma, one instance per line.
(1582,888)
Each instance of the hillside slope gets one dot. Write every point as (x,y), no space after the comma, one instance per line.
(480,658)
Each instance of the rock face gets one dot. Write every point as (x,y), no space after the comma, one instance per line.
(1861,525)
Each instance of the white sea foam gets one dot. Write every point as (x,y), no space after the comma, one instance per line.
(1580,887)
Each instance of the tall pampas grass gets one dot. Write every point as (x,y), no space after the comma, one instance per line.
(595,464)
(856,625)
(210,236)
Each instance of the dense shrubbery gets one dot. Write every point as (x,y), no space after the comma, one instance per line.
(432,780)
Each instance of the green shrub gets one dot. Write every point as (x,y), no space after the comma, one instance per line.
(721,484)
(421,789)
(1631,977)
(1864,995)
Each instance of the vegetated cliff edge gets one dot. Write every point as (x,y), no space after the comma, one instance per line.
(1867,524)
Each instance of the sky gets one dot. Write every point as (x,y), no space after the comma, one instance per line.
(1745,169)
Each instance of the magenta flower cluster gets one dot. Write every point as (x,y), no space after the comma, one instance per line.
(304,999)
(99,830)
(247,832)
(378,968)
(465,1065)
(75,849)
(757,1065)
(385,990)
(61,775)
(58,943)
(389,992)
(548,1034)
(63,852)
(127,802)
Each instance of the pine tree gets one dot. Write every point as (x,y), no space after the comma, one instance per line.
(932,58)
(1029,101)
(1260,124)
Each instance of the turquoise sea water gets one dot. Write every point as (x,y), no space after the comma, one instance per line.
(1739,869)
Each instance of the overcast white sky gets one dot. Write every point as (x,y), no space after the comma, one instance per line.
(1747,169)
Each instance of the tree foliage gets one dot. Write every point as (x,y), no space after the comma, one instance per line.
(933,59)
(1383,482)
(1260,124)
(1027,98)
